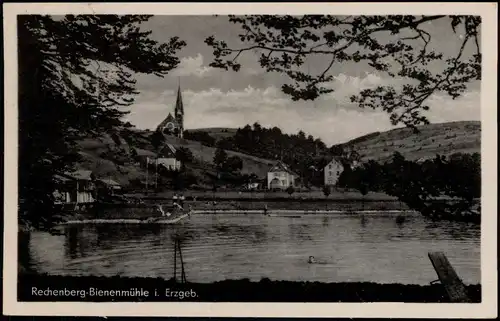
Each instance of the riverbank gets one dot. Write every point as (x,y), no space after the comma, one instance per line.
(149,208)
(229,290)
(313,195)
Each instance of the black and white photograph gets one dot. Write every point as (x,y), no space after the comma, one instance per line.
(330,155)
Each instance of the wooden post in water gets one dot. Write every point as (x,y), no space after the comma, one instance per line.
(175,261)
(454,287)
(183,273)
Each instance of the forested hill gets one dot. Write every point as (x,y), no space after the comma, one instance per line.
(441,138)
(307,154)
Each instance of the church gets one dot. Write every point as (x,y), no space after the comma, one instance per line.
(174,125)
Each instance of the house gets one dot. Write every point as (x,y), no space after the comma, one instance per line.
(332,171)
(74,187)
(108,186)
(280,176)
(143,156)
(167,158)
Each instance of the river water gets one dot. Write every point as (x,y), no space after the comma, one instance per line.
(348,248)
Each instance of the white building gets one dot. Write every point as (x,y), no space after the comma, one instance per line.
(332,172)
(167,158)
(280,177)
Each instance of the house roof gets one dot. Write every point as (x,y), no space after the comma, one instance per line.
(81,174)
(62,178)
(279,166)
(338,159)
(110,182)
(144,152)
(168,150)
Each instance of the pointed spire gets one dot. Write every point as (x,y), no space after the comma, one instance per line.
(179,106)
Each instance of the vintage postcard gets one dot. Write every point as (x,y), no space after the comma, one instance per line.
(253,160)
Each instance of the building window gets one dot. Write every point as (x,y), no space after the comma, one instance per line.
(330,166)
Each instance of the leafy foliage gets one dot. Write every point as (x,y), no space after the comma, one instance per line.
(326,191)
(157,139)
(184,155)
(436,187)
(233,164)
(397,45)
(226,164)
(220,159)
(75,75)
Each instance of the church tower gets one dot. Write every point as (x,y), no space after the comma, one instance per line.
(174,125)
(179,112)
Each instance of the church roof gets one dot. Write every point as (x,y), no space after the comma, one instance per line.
(169,119)
(179,106)
(177,118)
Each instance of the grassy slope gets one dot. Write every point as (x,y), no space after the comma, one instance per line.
(443,139)
(251,164)
(99,154)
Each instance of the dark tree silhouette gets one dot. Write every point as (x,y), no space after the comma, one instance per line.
(184,155)
(290,190)
(220,159)
(326,191)
(157,139)
(75,72)
(233,164)
(285,44)
(440,188)
(200,136)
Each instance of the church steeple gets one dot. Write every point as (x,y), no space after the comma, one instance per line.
(179,110)
(179,106)
(174,125)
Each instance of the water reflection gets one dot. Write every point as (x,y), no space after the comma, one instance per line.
(71,244)
(363,221)
(215,247)
(326,221)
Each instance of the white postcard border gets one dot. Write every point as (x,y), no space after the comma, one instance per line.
(488,307)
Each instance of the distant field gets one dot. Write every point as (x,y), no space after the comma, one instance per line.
(444,139)
(217,133)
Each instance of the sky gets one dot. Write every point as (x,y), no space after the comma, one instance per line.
(216,98)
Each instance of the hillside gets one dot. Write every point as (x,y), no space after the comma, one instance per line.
(444,139)
(216,133)
(111,155)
